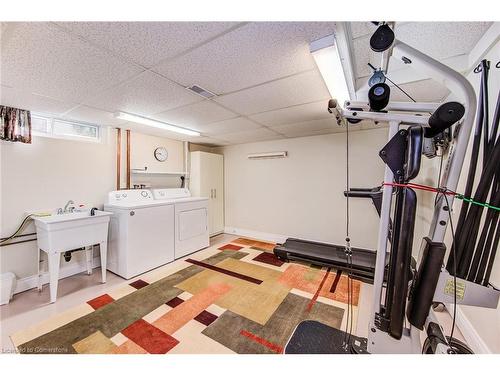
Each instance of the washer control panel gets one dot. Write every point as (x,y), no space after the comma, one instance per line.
(172,193)
(132,195)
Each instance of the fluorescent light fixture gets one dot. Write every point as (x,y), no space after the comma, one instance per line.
(154,123)
(329,63)
(268,155)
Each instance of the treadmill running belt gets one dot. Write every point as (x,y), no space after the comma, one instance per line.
(363,261)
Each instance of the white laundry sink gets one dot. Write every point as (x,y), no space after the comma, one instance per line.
(68,231)
(58,233)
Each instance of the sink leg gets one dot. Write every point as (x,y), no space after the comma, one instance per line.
(103,247)
(39,279)
(54,261)
(89,251)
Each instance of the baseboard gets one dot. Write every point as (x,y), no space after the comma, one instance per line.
(271,237)
(30,282)
(474,340)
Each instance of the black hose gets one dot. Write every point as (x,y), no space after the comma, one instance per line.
(493,254)
(458,245)
(474,215)
(485,65)
(492,225)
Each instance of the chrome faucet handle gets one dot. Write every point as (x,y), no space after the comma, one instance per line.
(67,204)
(71,209)
(59,211)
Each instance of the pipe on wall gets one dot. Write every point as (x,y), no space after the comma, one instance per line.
(118,157)
(128,158)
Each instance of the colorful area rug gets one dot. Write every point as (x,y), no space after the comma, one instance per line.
(235,298)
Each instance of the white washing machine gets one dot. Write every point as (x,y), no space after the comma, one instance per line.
(141,232)
(191,219)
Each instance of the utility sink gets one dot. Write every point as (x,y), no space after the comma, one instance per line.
(58,233)
(68,231)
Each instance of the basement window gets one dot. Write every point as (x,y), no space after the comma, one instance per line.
(45,126)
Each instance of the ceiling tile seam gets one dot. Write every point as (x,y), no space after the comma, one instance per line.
(196,46)
(117,55)
(128,60)
(236,115)
(81,39)
(290,106)
(265,82)
(409,68)
(99,47)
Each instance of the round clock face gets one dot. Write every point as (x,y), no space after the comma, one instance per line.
(161,154)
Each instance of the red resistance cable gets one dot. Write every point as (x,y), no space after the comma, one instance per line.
(421,187)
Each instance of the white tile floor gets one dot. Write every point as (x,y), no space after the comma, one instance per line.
(31,307)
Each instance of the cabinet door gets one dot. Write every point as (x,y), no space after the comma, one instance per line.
(217,181)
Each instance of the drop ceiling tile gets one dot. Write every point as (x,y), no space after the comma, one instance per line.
(147,43)
(359,29)
(193,115)
(93,116)
(24,99)
(442,39)
(38,57)
(229,126)
(253,54)
(144,95)
(439,40)
(422,91)
(248,136)
(301,88)
(363,55)
(305,128)
(298,113)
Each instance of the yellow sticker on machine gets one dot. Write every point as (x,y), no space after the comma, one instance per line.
(449,289)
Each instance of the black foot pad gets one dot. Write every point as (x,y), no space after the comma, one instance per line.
(311,337)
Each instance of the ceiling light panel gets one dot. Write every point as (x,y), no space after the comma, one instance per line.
(156,124)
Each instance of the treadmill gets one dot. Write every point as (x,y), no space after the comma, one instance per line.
(329,255)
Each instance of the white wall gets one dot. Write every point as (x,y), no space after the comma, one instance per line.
(302,195)
(142,148)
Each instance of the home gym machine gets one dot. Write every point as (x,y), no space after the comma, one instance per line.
(401,293)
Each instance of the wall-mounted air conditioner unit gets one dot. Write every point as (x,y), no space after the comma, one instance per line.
(268,155)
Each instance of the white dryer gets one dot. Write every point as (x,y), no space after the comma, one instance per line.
(141,232)
(191,219)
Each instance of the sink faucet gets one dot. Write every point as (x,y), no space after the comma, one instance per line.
(70,208)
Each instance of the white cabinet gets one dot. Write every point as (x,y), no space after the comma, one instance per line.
(207,180)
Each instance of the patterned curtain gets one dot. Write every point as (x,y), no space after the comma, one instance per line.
(15,124)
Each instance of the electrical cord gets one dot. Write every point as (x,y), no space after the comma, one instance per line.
(348,252)
(19,229)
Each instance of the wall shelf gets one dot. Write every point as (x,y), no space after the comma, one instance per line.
(143,172)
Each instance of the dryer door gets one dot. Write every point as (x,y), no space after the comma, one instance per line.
(192,229)
(192,223)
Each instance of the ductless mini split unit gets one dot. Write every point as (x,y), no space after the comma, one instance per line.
(268,155)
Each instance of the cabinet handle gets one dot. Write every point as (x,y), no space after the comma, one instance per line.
(211,193)
(215,193)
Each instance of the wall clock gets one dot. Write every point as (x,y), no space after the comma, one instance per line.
(161,154)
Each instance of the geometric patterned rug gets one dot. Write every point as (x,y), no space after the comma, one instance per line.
(240,299)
